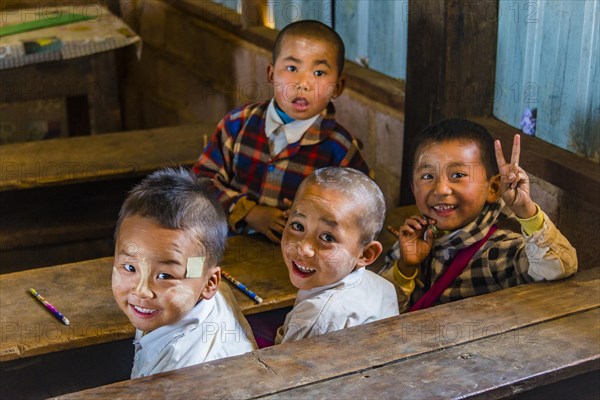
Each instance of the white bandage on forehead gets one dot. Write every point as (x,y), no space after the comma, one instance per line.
(195,267)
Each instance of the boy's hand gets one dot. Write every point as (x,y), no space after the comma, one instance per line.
(414,249)
(288,203)
(514,182)
(269,221)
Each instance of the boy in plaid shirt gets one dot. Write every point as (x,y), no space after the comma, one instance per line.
(466,197)
(261,152)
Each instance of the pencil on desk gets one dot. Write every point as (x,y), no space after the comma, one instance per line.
(50,307)
(241,286)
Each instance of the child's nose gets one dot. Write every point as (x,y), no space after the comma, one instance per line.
(442,187)
(306,248)
(143,288)
(304,81)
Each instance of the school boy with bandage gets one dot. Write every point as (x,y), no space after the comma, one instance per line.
(170,237)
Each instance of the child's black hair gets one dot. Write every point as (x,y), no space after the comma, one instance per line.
(461,130)
(177,199)
(313,29)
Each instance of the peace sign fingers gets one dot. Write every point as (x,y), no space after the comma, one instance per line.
(508,172)
(514,157)
(516,150)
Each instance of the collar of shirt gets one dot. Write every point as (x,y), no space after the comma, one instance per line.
(293,131)
(349,280)
(153,342)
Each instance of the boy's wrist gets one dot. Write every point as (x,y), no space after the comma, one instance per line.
(528,210)
(532,224)
(408,271)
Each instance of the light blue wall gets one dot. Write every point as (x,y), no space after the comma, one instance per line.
(549,58)
(287,11)
(375,30)
(231,4)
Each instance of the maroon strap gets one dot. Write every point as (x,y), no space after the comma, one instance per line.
(460,262)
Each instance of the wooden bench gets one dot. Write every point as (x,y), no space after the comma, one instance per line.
(99,157)
(490,346)
(60,198)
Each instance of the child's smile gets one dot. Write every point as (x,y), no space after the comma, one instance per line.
(149,282)
(321,241)
(304,272)
(450,183)
(443,210)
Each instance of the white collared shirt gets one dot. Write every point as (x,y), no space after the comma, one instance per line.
(213,329)
(359,298)
(293,131)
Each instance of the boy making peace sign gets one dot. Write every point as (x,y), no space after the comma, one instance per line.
(479,230)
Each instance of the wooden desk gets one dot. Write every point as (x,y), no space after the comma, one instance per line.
(82,291)
(489,346)
(80,67)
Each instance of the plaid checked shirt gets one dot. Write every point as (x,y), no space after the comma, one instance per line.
(238,160)
(508,258)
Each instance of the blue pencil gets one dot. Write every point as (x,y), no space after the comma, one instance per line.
(241,286)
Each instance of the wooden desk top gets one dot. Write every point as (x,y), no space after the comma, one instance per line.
(492,345)
(99,157)
(82,292)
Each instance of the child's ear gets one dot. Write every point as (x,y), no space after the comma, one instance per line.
(270,72)
(369,254)
(494,191)
(339,86)
(212,285)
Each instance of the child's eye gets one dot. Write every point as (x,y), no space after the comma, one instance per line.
(458,175)
(297,226)
(319,73)
(426,176)
(163,275)
(291,68)
(129,267)
(327,237)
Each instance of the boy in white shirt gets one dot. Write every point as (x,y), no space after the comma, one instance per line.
(328,240)
(170,236)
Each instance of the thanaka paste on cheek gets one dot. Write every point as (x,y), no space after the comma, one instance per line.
(116,277)
(342,259)
(181,297)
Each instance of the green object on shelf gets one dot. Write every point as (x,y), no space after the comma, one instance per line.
(43,22)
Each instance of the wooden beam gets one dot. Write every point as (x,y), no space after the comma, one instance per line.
(254,13)
(450,68)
